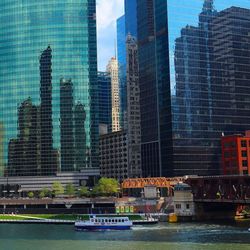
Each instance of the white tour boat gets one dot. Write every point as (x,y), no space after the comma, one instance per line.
(104,223)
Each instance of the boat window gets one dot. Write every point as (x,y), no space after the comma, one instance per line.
(102,220)
(119,220)
(96,220)
(106,220)
(109,220)
(113,220)
(92,220)
(122,220)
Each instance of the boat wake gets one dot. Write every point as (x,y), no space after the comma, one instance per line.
(146,228)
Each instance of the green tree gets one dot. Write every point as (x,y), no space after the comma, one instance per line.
(30,194)
(57,188)
(106,186)
(41,194)
(70,189)
(47,192)
(83,192)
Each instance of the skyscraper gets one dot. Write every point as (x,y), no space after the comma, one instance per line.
(105,102)
(68,31)
(133,109)
(113,69)
(121,57)
(130,17)
(121,41)
(208,87)
(126,24)
(154,86)
(194,64)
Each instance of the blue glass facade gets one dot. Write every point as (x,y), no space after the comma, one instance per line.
(131,17)
(121,57)
(48,75)
(194,75)
(105,100)
(125,24)
(154,85)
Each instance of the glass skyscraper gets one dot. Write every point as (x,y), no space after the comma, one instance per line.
(194,81)
(126,24)
(48,86)
(130,17)
(105,102)
(121,57)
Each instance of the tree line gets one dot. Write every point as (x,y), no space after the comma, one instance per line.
(104,187)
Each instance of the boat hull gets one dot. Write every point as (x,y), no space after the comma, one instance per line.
(101,227)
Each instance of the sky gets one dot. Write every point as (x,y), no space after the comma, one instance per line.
(107,13)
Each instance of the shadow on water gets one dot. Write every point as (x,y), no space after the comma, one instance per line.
(173,233)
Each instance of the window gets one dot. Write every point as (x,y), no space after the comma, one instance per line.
(243,143)
(178,206)
(244,153)
(245,172)
(244,163)
(187,206)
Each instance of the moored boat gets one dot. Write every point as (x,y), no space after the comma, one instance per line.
(104,223)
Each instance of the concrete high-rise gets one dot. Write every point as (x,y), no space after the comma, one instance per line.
(113,70)
(68,31)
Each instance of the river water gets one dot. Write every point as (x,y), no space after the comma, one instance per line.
(185,236)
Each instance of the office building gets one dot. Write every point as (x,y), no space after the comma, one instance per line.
(105,103)
(120,152)
(193,74)
(236,154)
(113,69)
(114,155)
(154,86)
(39,45)
(125,25)
(121,57)
(130,17)
(133,109)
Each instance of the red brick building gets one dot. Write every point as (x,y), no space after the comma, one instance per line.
(236,154)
